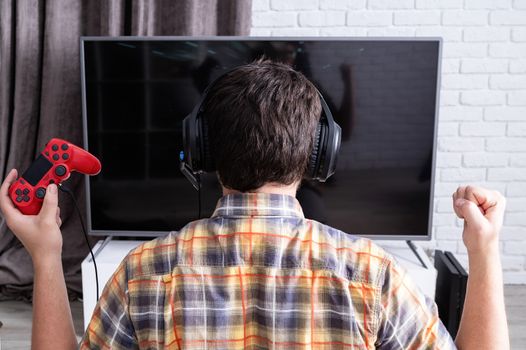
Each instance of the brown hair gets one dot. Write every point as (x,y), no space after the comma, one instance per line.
(262,118)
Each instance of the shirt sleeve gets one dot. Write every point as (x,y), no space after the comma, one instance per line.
(408,319)
(110,325)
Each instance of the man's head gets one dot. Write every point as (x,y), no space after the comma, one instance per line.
(262,118)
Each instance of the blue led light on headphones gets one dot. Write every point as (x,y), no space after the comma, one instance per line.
(181,155)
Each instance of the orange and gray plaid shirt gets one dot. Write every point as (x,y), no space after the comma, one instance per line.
(258,275)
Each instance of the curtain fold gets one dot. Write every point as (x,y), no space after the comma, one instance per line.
(40,93)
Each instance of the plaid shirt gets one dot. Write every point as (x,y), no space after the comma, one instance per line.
(258,275)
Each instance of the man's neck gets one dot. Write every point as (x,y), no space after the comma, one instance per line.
(276,188)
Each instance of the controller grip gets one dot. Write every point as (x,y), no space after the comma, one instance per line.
(84,162)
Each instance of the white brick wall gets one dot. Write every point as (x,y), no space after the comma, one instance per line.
(482,125)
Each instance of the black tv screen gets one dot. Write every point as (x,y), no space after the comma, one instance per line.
(382,92)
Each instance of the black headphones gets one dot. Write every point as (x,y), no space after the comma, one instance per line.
(196,157)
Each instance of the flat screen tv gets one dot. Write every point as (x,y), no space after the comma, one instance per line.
(382,91)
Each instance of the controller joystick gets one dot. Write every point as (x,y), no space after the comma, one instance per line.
(54,165)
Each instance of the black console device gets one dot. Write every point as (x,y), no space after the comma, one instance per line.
(450,291)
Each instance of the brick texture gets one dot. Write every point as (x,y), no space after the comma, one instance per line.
(482,116)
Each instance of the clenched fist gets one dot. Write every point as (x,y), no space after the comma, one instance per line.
(483,212)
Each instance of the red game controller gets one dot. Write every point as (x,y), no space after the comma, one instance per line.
(53,165)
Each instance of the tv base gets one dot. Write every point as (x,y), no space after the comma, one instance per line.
(109,253)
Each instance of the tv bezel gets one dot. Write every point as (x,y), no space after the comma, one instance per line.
(126,233)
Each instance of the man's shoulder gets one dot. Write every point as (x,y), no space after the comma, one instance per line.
(364,260)
(349,256)
(160,255)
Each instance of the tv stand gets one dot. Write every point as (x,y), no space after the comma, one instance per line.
(109,253)
(413,248)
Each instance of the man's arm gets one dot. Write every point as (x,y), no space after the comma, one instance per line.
(409,320)
(52,322)
(40,234)
(483,324)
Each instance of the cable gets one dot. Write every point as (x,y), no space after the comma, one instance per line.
(199,197)
(68,191)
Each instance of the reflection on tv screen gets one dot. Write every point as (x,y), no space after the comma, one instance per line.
(381,92)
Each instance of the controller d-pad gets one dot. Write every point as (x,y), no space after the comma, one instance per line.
(55,156)
(25,191)
(60,170)
(18,191)
(25,198)
(19,199)
(64,147)
(40,193)
(65,156)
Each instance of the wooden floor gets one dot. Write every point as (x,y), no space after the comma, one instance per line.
(16,318)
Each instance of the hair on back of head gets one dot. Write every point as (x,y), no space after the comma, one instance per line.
(262,119)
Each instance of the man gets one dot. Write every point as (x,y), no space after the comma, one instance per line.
(257,274)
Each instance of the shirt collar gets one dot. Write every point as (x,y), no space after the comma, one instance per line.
(258,204)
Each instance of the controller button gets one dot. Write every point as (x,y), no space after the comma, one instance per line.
(51,181)
(47,153)
(60,170)
(25,198)
(54,148)
(18,191)
(65,156)
(40,193)
(55,156)
(64,147)
(22,182)
(19,199)
(25,191)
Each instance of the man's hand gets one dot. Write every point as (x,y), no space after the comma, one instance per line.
(40,234)
(482,211)
(483,324)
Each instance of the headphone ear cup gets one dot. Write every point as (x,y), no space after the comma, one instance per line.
(190,146)
(206,157)
(312,168)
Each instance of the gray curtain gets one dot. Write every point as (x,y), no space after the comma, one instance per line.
(40,92)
